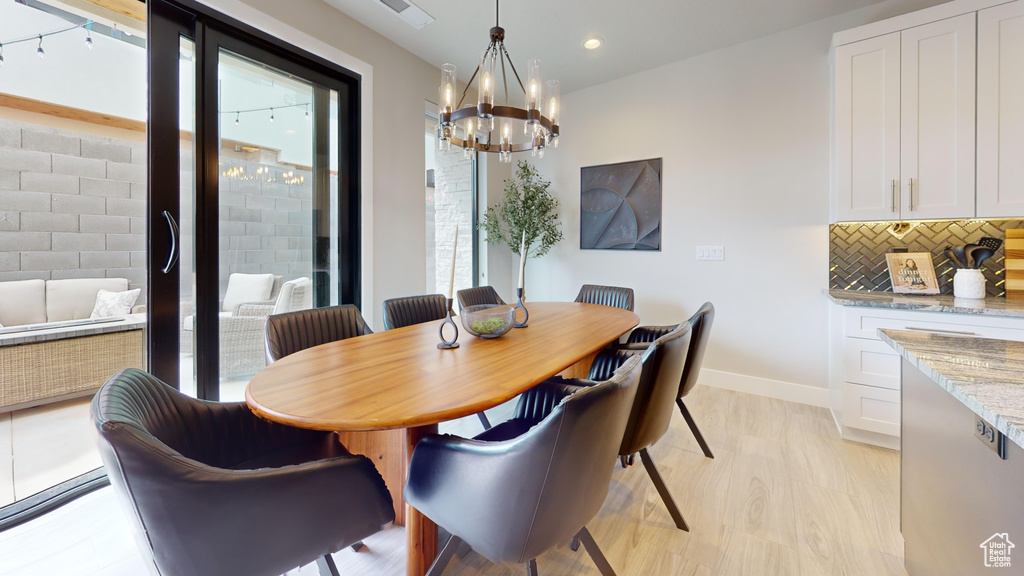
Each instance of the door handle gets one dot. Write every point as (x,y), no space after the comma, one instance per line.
(892,187)
(911,194)
(172,258)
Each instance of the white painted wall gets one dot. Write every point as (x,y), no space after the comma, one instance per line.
(744,133)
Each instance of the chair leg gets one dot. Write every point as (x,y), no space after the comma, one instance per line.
(357,546)
(327,566)
(531,567)
(666,496)
(595,553)
(694,429)
(442,560)
(484,420)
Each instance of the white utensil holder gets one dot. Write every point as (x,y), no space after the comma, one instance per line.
(968,283)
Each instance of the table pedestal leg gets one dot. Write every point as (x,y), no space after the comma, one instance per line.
(420,531)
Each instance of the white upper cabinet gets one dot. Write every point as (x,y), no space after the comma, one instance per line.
(1001,111)
(904,124)
(937,120)
(867,129)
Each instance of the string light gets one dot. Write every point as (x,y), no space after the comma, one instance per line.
(272,109)
(38,38)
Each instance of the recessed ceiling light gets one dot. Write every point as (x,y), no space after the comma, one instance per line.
(592,43)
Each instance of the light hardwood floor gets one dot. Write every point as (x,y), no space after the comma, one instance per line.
(783,496)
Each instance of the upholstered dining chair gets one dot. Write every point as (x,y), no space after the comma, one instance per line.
(528,484)
(293,331)
(401,312)
(700,330)
(478,296)
(606,295)
(664,360)
(210,488)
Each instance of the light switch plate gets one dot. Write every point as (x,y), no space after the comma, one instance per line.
(710,252)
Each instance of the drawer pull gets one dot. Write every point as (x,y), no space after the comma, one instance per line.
(957,332)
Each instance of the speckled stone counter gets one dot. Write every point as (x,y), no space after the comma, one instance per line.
(985,375)
(929,303)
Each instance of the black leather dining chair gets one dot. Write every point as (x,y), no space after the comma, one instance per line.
(290,332)
(478,296)
(700,331)
(616,296)
(664,360)
(526,485)
(401,312)
(212,489)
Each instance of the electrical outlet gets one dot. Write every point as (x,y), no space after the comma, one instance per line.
(710,252)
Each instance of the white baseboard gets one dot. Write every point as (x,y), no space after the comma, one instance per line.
(788,391)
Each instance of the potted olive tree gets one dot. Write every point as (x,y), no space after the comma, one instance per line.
(526,220)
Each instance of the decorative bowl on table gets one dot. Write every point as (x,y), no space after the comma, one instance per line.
(487,320)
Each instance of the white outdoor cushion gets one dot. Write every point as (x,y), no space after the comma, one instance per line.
(22,302)
(113,304)
(295,295)
(187,321)
(75,298)
(244,288)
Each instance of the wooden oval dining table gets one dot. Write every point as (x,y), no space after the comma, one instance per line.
(399,381)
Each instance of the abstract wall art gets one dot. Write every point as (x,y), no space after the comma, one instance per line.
(620,206)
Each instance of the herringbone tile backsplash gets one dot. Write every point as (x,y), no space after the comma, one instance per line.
(857,251)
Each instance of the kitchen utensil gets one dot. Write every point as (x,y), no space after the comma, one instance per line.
(991,243)
(961,258)
(952,257)
(981,254)
(967,255)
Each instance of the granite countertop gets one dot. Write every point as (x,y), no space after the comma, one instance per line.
(130,322)
(985,375)
(929,303)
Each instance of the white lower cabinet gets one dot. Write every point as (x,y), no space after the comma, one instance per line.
(872,409)
(866,391)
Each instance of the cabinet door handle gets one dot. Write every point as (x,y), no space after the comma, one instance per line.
(957,332)
(911,194)
(892,187)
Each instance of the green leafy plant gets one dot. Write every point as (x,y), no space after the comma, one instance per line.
(528,207)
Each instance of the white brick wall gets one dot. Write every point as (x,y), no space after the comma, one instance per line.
(453,205)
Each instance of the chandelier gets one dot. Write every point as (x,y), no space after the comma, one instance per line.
(539,131)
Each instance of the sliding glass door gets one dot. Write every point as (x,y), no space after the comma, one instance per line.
(255,203)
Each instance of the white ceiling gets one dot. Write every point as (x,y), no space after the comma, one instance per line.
(638,34)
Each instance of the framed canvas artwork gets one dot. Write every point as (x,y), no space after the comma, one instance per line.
(620,206)
(912,273)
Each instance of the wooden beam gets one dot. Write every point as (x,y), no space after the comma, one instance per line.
(133,9)
(69,113)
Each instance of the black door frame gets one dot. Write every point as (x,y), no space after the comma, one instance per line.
(168,21)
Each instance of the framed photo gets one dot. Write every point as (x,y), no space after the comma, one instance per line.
(620,206)
(912,273)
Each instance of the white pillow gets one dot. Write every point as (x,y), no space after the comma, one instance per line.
(295,295)
(111,304)
(244,288)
